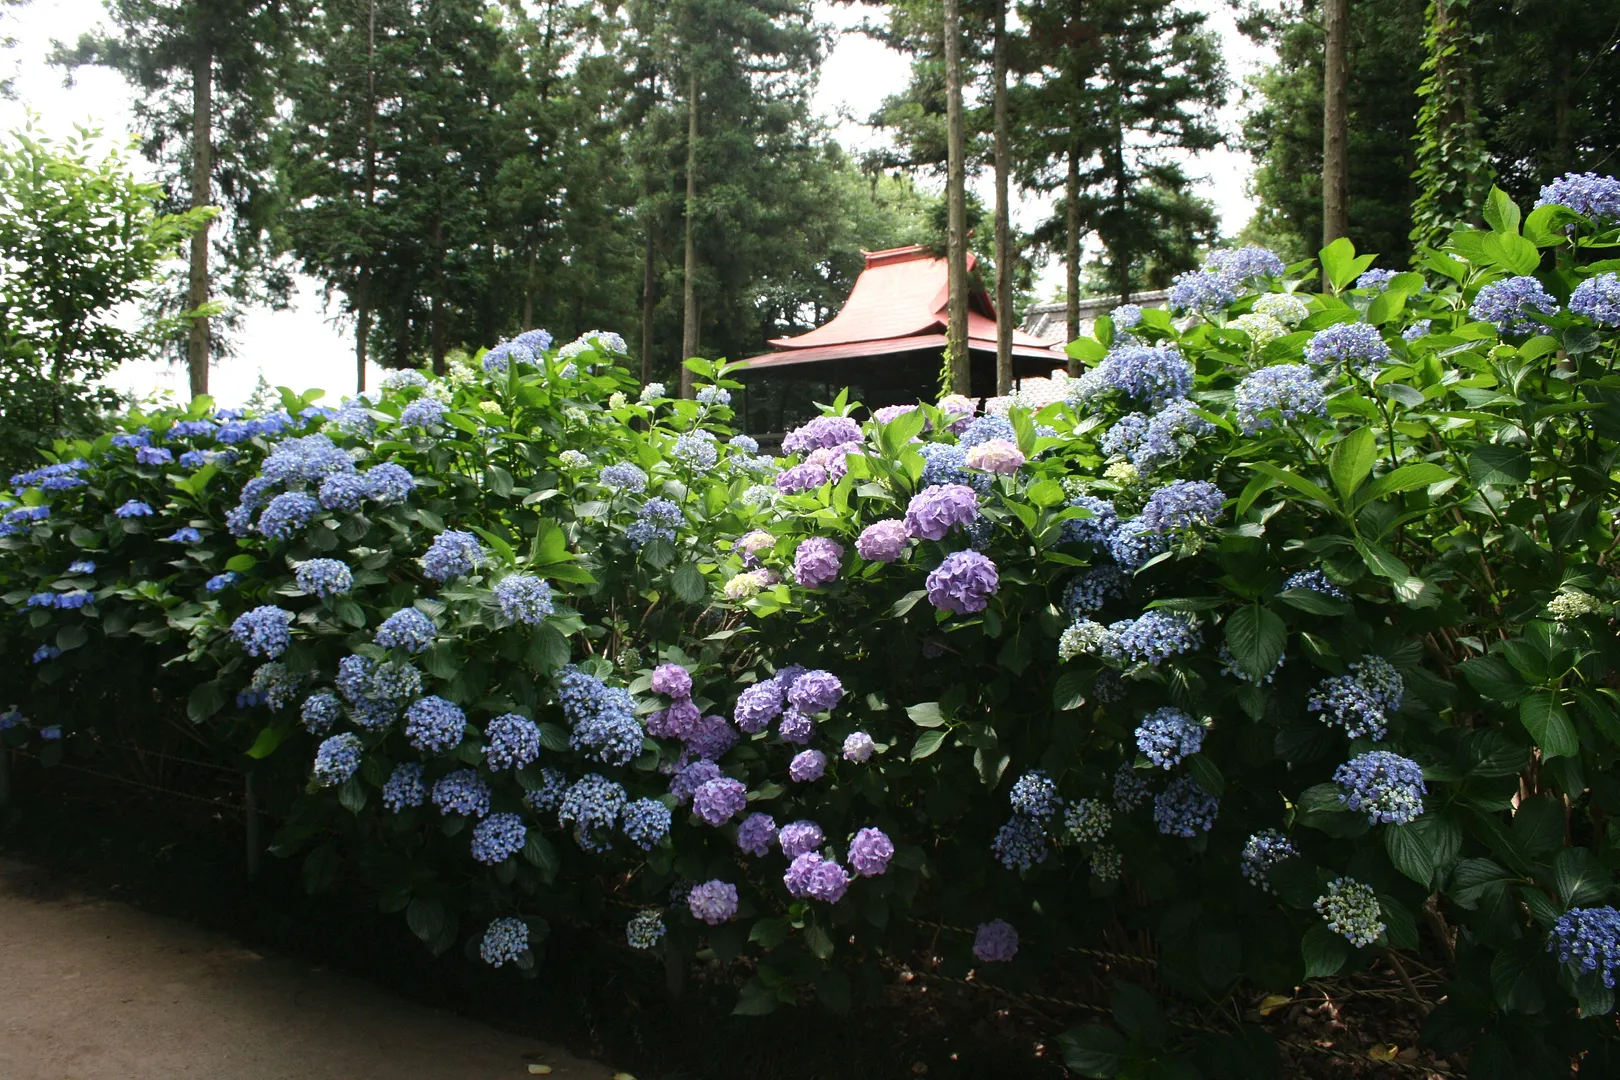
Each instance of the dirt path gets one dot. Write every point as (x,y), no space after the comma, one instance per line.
(91,989)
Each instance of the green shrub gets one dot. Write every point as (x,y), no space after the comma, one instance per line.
(1285,640)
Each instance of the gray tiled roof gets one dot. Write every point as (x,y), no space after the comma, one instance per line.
(1047,321)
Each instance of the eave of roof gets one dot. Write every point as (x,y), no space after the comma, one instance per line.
(886,346)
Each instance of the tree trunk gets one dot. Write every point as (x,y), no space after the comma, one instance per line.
(202,145)
(689,297)
(1071,254)
(648,303)
(1004,257)
(528,291)
(956,342)
(436,312)
(1335,121)
(362,322)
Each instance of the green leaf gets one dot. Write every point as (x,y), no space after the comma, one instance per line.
(1421,848)
(72,636)
(1324,951)
(1494,678)
(688,583)
(1298,483)
(769,933)
(1205,773)
(1341,265)
(927,743)
(1256,636)
(755,999)
(1352,461)
(206,700)
(1405,478)
(241,563)
(1499,466)
(1473,878)
(352,795)
(538,852)
(1069,692)
(1543,716)
(498,480)
(1501,214)
(1094,1050)
(1581,879)
(926,714)
(265,745)
(425,918)
(554,737)
(1512,252)
(1381,562)
(1314,602)
(817,941)
(1136,1012)
(1045,493)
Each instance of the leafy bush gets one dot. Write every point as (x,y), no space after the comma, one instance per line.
(1286,640)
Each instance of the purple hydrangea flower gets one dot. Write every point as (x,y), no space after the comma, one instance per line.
(813,877)
(686,782)
(816,562)
(800,478)
(822,432)
(870,852)
(713,902)
(756,834)
(1355,345)
(963,583)
(883,541)
(996,942)
(719,800)
(672,680)
(1508,304)
(935,511)
(1598,298)
(711,737)
(795,726)
(1288,390)
(799,837)
(815,691)
(858,747)
(807,766)
(757,706)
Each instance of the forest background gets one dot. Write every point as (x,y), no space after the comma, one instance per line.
(440,173)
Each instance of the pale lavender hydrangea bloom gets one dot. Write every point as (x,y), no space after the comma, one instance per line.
(883,541)
(995,942)
(815,691)
(807,766)
(1588,194)
(800,478)
(719,800)
(756,834)
(870,852)
(798,837)
(757,706)
(822,432)
(858,747)
(1182,504)
(816,878)
(816,562)
(688,780)
(672,680)
(963,583)
(935,511)
(1598,298)
(1508,304)
(996,456)
(1350,344)
(713,902)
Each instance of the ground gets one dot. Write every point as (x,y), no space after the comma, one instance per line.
(94,988)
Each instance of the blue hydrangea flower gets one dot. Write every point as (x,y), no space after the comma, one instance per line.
(405,379)
(1127,317)
(1185,809)
(434,725)
(1289,391)
(1588,194)
(497,838)
(987,429)
(1388,787)
(308,458)
(945,463)
(194,459)
(388,484)
(592,805)
(1099,528)
(696,450)
(1417,330)
(1168,735)
(132,440)
(1134,543)
(646,822)
(1020,843)
(657,520)
(46,652)
(337,759)
(1598,298)
(1149,374)
(645,929)
(1034,795)
(549,795)
(452,554)
(407,629)
(539,340)
(625,476)
(1589,937)
(1239,265)
(1170,434)
(1381,679)
(713,395)
(1316,581)
(1345,702)
(394,680)
(1182,504)
(1261,852)
(1093,589)
(184,535)
(134,508)
(320,713)
(1351,909)
(507,939)
(424,413)
(82,566)
(343,491)
(462,793)
(191,429)
(524,598)
(1203,291)
(1508,304)
(324,577)
(1354,345)
(744,443)
(514,741)
(1150,638)
(264,631)
(1087,821)
(1125,436)
(1376,279)
(153,455)
(288,514)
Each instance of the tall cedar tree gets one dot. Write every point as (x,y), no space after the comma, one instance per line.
(206,73)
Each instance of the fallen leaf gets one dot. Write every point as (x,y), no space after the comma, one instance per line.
(539,1070)
(1273,1002)
(1384,1052)
(623,1076)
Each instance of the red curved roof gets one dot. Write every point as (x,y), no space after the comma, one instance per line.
(903,293)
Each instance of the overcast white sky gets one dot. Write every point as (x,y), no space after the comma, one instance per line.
(302,347)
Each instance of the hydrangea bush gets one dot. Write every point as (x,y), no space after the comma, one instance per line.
(1285,642)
